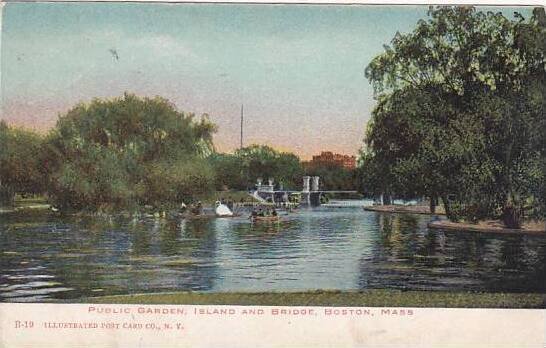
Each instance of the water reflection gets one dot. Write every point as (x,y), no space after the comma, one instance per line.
(410,256)
(47,258)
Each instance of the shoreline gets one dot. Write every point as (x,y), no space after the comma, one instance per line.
(40,203)
(335,298)
(36,207)
(489,226)
(405,209)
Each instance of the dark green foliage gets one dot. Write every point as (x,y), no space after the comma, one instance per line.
(20,164)
(240,170)
(230,172)
(128,151)
(181,180)
(460,115)
(260,161)
(334,177)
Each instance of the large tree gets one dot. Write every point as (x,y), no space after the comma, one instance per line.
(241,169)
(128,151)
(460,105)
(20,166)
(261,161)
(333,176)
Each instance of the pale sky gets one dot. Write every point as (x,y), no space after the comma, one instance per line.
(298,69)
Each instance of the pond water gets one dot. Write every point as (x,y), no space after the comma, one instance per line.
(339,246)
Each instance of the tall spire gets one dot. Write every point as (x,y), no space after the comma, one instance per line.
(242,110)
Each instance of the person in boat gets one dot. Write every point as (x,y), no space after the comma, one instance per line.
(253,214)
(197,209)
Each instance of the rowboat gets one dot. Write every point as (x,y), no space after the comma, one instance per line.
(273,218)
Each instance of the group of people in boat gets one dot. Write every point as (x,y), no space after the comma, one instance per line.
(264,212)
(194,208)
(260,213)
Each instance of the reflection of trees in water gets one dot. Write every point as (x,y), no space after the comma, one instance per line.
(67,252)
(122,257)
(170,255)
(141,240)
(408,256)
(496,262)
(469,249)
(263,239)
(400,235)
(513,255)
(201,241)
(129,257)
(392,254)
(538,259)
(173,237)
(190,247)
(20,251)
(519,265)
(104,246)
(289,233)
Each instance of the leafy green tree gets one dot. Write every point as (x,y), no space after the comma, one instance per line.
(241,169)
(260,161)
(180,180)
(531,38)
(229,172)
(128,151)
(20,165)
(333,176)
(458,109)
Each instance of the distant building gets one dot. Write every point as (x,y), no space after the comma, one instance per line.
(330,158)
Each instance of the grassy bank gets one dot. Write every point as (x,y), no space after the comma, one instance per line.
(20,204)
(234,196)
(40,202)
(491,226)
(369,298)
(407,209)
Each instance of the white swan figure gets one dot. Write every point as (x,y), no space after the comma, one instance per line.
(222,209)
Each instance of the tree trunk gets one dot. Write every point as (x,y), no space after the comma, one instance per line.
(433,204)
(512,216)
(447,208)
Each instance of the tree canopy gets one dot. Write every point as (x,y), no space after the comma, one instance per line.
(333,176)
(20,167)
(128,150)
(460,114)
(247,164)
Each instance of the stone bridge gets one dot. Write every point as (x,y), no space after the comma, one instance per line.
(308,196)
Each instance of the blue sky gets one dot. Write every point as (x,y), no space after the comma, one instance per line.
(298,69)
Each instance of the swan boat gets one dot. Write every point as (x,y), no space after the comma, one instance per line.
(222,210)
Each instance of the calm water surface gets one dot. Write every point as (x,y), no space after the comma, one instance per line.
(46,258)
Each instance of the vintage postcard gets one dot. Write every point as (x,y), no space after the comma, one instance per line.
(251,174)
